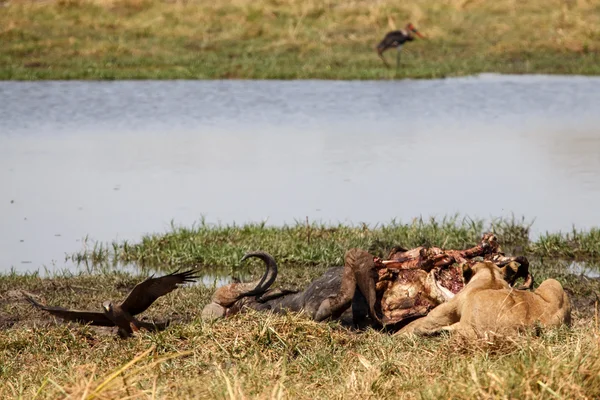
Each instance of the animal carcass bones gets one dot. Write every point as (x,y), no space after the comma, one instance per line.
(367,290)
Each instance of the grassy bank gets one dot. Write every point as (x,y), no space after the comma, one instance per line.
(309,244)
(265,356)
(293,39)
(258,355)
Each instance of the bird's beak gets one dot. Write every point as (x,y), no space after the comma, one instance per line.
(419,34)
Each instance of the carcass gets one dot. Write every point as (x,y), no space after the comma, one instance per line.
(370,291)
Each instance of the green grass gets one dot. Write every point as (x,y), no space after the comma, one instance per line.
(264,356)
(292,39)
(306,244)
(259,355)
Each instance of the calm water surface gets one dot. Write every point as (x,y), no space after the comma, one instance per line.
(116,160)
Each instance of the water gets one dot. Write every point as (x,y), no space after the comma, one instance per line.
(116,160)
(586,269)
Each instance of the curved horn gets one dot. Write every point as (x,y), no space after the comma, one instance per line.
(261,286)
(520,269)
(523,272)
(528,284)
(226,296)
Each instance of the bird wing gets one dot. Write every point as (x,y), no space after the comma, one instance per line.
(145,293)
(84,317)
(154,326)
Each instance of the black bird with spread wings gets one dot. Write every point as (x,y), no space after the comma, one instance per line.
(139,299)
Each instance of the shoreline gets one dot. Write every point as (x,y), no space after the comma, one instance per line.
(150,39)
(264,353)
(485,75)
(309,244)
(17,74)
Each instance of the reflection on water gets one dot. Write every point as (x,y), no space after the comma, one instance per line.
(581,169)
(115,160)
(586,269)
(207,276)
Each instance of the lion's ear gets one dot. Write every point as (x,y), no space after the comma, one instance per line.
(467,272)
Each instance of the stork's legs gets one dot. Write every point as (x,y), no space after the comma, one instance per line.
(383,59)
(398,49)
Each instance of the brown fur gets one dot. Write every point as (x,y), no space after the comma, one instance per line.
(488,304)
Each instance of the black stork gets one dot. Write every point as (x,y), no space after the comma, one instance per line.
(395,39)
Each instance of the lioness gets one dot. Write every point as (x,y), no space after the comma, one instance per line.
(488,303)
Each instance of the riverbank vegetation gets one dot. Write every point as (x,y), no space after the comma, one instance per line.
(309,244)
(292,39)
(258,355)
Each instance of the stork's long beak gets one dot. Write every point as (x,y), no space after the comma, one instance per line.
(419,34)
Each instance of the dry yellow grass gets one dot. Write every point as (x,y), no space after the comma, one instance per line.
(258,355)
(263,356)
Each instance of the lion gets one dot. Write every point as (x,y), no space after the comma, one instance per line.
(489,304)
